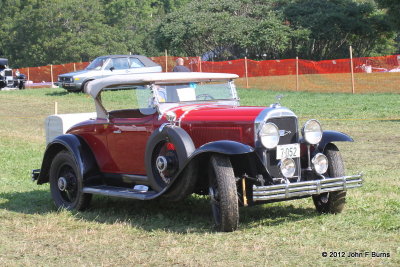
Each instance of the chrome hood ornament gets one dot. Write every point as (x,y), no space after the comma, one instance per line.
(277,104)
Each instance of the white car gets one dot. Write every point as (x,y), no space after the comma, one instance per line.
(105,66)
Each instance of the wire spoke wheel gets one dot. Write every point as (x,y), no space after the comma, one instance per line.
(66,185)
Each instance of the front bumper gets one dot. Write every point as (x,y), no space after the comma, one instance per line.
(307,188)
(69,85)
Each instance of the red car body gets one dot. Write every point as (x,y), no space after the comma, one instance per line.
(119,145)
(189,135)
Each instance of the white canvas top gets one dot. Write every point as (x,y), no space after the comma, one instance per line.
(93,88)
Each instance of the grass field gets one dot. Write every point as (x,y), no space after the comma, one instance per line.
(118,232)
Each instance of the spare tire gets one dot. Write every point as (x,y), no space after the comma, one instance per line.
(166,153)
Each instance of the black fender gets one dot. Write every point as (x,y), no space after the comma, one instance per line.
(85,160)
(333,136)
(225,147)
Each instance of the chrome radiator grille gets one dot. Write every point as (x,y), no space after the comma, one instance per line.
(288,126)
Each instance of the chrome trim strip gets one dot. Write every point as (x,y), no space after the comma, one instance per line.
(307,188)
(184,115)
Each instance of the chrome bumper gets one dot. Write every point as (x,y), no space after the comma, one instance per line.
(308,188)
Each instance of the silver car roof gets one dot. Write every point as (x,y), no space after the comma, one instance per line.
(145,60)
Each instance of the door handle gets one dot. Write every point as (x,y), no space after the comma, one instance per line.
(117,131)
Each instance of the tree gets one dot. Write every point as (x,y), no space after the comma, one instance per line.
(54,32)
(334,25)
(225,29)
(393,9)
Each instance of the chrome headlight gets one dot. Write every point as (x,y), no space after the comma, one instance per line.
(288,167)
(269,135)
(320,163)
(312,132)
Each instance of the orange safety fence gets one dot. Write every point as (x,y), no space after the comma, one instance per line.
(371,74)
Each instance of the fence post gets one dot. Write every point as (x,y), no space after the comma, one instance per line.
(74,67)
(28,74)
(351,70)
(200,64)
(166,60)
(297,74)
(51,73)
(56,108)
(246,73)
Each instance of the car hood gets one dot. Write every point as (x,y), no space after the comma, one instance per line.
(208,123)
(217,113)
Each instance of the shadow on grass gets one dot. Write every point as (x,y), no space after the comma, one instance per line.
(192,215)
(274,214)
(31,202)
(390,120)
(58,93)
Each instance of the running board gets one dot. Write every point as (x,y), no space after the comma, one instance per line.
(307,188)
(120,192)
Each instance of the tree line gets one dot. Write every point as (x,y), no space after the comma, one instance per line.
(41,32)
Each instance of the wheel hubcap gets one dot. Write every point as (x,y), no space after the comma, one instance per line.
(161,163)
(62,184)
(165,162)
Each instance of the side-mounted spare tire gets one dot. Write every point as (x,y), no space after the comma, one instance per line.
(166,153)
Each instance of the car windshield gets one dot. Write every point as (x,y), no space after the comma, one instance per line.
(169,95)
(97,64)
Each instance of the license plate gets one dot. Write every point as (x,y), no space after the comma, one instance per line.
(288,151)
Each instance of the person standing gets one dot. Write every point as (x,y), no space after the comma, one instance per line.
(179,66)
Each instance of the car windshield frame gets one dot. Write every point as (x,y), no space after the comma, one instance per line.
(163,106)
(94,65)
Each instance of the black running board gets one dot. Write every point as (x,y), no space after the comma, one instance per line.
(121,192)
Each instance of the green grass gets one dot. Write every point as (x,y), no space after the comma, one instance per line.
(119,232)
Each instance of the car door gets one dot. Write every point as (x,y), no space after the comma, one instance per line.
(136,66)
(127,138)
(116,66)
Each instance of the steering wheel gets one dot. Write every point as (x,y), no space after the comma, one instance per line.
(205,97)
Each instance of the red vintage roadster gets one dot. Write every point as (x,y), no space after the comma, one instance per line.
(185,134)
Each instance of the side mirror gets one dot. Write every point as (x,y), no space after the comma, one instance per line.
(112,68)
